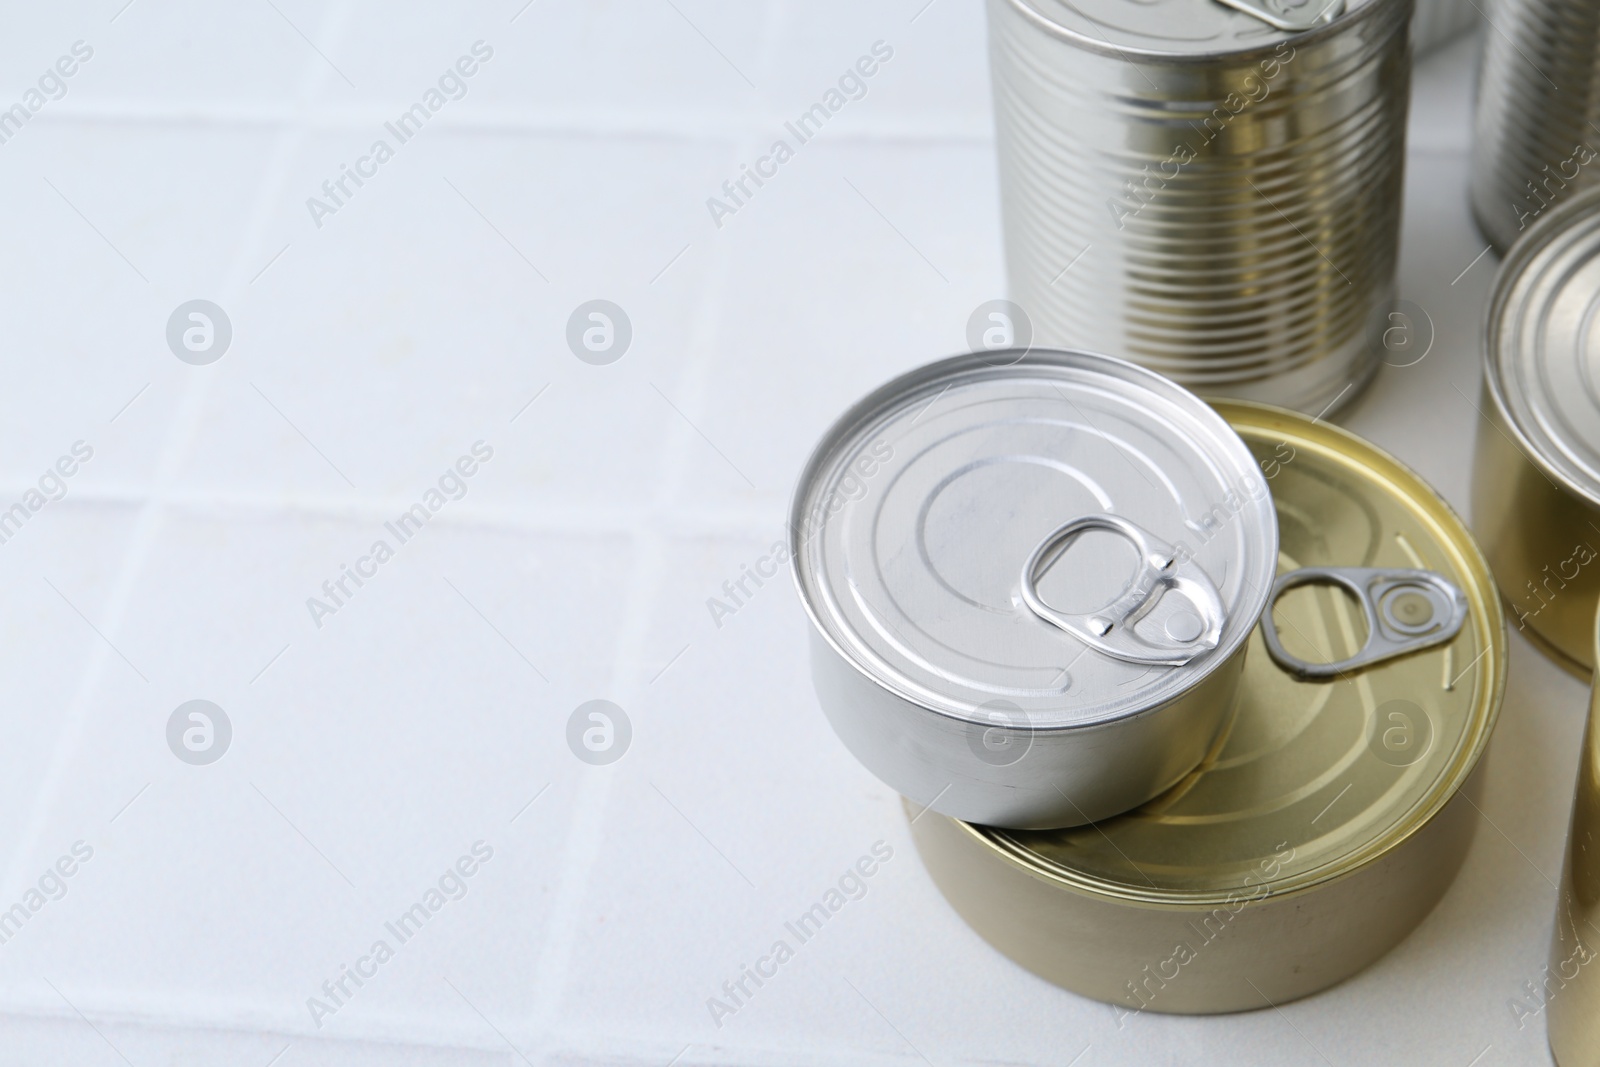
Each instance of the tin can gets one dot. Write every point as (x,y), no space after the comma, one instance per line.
(1437,22)
(1331,819)
(1570,988)
(1191,187)
(1535,137)
(1536,473)
(1031,577)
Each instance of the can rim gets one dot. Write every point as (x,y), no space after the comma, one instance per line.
(1368,9)
(998,842)
(861,412)
(1524,253)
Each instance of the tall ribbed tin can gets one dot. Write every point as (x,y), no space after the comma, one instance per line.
(1189,186)
(1537,137)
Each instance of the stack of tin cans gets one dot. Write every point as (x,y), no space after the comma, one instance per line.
(1536,491)
(1536,479)
(1174,690)
(1052,589)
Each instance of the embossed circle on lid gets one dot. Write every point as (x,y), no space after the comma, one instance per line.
(1543,343)
(919,516)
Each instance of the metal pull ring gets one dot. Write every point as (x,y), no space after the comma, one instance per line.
(1406,611)
(1291,15)
(1112,629)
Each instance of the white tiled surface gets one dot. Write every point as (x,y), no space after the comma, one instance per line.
(369,354)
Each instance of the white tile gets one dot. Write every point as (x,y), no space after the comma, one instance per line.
(853,265)
(421,318)
(93,271)
(361,767)
(606,56)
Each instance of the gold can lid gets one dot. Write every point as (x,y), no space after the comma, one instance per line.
(1314,778)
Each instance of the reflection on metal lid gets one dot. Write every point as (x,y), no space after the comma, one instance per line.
(924,506)
(1544,342)
(1328,773)
(1186,27)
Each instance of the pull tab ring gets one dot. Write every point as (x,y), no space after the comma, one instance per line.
(1406,611)
(1111,630)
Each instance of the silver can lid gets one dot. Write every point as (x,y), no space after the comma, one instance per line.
(1543,343)
(1183,27)
(1066,536)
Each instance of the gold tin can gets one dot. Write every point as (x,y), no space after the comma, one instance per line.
(1570,989)
(1536,472)
(1328,821)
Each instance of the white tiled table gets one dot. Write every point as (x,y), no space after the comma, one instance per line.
(372,351)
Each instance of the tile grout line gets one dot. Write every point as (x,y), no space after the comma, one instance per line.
(174,449)
(594,809)
(711,519)
(703,124)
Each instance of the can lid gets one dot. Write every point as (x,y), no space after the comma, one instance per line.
(1543,343)
(1185,27)
(1060,534)
(1315,777)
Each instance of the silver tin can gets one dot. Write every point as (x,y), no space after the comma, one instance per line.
(1536,470)
(1031,578)
(1536,139)
(1189,187)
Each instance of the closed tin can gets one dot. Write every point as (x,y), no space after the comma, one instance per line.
(1031,577)
(1536,473)
(1535,138)
(1438,22)
(1569,989)
(1202,191)
(1332,817)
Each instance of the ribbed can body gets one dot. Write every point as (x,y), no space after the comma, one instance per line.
(1230,220)
(1537,135)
